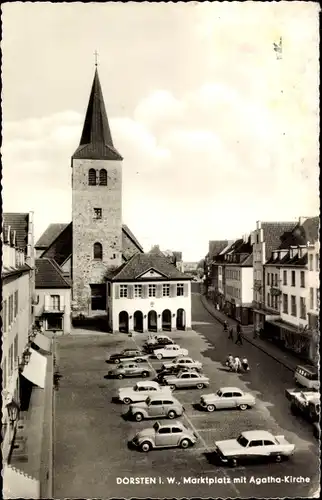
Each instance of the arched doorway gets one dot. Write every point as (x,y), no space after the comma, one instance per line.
(166,320)
(138,321)
(123,322)
(181,319)
(152,321)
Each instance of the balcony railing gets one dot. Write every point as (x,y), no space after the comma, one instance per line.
(275,291)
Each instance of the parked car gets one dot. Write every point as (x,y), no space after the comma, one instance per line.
(173,434)
(159,339)
(185,379)
(183,362)
(253,445)
(133,354)
(141,391)
(170,351)
(307,376)
(149,348)
(174,370)
(160,405)
(227,398)
(129,369)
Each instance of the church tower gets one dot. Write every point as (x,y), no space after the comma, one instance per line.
(96,207)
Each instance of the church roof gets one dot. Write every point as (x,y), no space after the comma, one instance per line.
(96,141)
(49,275)
(51,233)
(61,245)
(141,263)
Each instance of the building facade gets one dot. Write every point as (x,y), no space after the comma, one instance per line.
(265,238)
(149,294)
(52,297)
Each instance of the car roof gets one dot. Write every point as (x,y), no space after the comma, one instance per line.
(230,389)
(173,423)
(166,396)
(250,435)
(308,368)
(142,383)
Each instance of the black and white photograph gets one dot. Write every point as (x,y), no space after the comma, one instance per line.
(160,250)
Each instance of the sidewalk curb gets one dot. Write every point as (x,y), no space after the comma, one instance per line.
(282,362)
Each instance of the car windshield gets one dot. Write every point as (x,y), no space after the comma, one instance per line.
(156,426)
(242,441)
(219,393)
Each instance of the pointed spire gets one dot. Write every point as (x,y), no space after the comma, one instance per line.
(96,140)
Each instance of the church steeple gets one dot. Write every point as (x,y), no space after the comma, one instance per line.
(96,141)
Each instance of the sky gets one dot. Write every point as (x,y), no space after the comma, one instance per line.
(217,129)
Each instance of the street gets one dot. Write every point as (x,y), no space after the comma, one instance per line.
(92,458)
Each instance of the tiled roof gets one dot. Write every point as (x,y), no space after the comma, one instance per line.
(140,263)
(51,233)
(215,247)
(302,233)
(49,275)
(274,234)
(11,271)
(96,140)
(18,222)
(129,233)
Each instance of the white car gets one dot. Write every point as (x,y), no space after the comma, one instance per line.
(253,444)
(227,398)
(141,391)
(170,351)
(183,362)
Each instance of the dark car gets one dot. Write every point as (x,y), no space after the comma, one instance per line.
(160,343)
(130,354)
(173,370)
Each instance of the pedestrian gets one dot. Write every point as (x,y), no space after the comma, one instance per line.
(238,328)
(225,326)
(231,333)
(237,364)
(239,339)
(245,364)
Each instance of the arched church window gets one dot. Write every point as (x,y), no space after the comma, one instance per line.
(103,177)
(98,251)
(92,177)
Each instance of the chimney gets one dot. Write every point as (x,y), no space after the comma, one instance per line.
(302,219)
(258,224)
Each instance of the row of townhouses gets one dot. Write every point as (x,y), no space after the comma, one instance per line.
(270,279)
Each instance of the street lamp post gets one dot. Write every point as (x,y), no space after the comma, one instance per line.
(13,412)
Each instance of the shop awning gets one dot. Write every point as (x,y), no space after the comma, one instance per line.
(43,342)
(287,326)
(17,484)
(35,370)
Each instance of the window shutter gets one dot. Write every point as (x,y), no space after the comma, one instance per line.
(173,290)
(47,302)
(117,291)
(144,291)
(186,289)
(159,290)
(62,302)
(130,291)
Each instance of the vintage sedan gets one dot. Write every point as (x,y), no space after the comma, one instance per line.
(252,445)
(128,354)
(129,369)
(160,405)
(161,342)
(170,351)
(141,391)
(186,379)
(174,434)
(227,398)
(174,370)
(159,339)
(183,362)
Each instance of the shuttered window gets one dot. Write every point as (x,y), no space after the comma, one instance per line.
(180,289)
(92,177)
(137,291)
(130,291)
(123,291)
(152,290)
(166,290)
(103,177)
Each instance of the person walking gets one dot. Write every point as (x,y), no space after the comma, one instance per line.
(237,364)
(231,333)
(238,328)
(225,326)
(239,339)
(245,364)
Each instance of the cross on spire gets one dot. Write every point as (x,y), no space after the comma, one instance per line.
(96,56)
